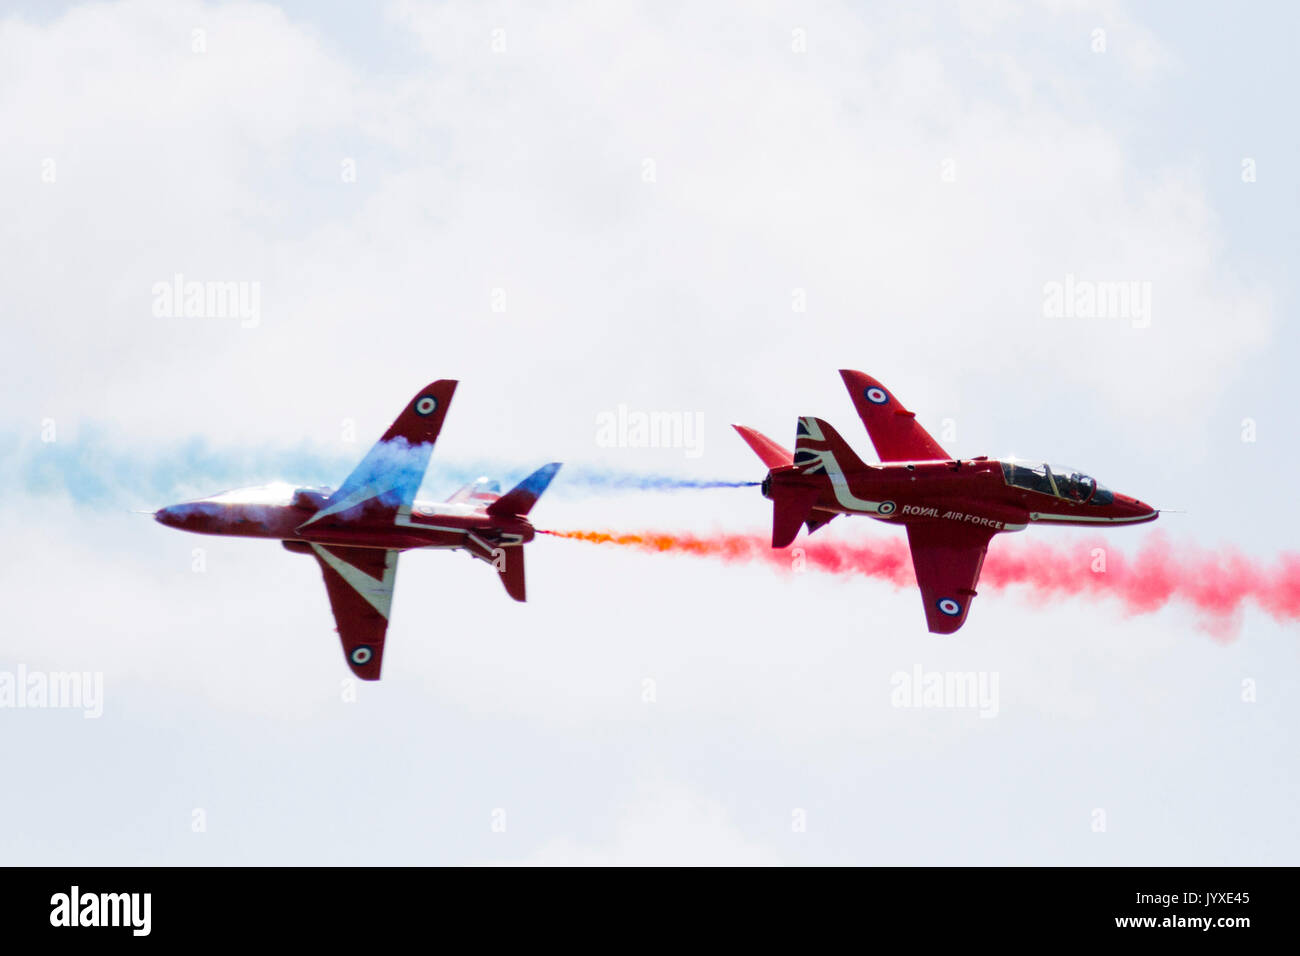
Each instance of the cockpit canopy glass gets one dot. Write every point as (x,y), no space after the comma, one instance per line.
(1059,481)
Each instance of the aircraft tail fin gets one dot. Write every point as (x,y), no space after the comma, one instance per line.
(819,449)
(508,561)
(772,454)
(519,500)
(512,572)
(390,475)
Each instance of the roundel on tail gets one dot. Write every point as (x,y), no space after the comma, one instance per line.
(426,405)
(361,656)
(876,395)
(948,606)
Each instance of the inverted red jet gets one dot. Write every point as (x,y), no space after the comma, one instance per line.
(950,507)
(357,532)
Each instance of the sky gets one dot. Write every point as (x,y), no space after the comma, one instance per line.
(696,209)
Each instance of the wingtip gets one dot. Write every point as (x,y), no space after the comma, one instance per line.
(852,378)
(547,473)
(444,386)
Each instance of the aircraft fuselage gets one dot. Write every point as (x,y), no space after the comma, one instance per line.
(967,491)
(427,524)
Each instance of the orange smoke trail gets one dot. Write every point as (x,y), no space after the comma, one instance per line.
(1217,584)
(889,560)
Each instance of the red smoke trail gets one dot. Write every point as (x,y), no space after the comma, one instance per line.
(1217,584)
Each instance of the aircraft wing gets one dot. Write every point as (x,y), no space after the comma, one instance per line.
(893,429)
(360,585)
(389,476)
(947,559)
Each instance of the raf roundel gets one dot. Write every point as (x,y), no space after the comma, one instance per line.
(361,656)
(426,405)
(876,396)
(886,508)
(949,606)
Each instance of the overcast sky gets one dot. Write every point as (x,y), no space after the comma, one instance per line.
(705,209)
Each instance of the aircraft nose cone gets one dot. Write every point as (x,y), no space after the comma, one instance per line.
(1135,508)
(167,516)
(1141,507)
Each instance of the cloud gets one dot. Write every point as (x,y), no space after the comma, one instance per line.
(518,179)
(668,826)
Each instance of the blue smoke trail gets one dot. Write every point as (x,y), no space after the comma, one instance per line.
(597,480)
(100,468)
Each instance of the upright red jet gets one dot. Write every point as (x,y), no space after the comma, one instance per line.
(950,507)
(357,532)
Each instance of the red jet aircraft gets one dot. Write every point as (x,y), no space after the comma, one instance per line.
(950,507)
(357,532)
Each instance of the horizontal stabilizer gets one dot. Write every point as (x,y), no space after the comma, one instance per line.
(820,519)
(773,455)
(519,500)
(790,509)
(481,489)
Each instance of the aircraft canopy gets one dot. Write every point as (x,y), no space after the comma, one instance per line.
(1059,481)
